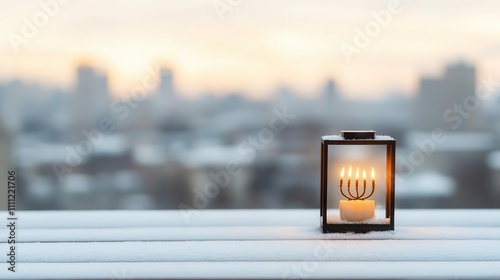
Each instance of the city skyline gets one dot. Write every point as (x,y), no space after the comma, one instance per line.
(157,73)
(257,48)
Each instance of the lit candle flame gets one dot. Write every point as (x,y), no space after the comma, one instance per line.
(373,173)
(364,174)
(357,172)
(342,173)
(350,172)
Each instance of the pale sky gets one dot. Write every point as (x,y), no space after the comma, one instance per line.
(257,47)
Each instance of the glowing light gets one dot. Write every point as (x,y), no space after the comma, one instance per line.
(373,173)
(350,172)
(364,174)
(342,172)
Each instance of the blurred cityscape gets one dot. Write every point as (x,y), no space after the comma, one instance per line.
(156,149)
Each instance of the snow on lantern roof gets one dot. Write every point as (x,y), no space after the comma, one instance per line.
(338,137)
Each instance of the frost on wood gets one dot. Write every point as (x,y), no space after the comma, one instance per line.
(335,219)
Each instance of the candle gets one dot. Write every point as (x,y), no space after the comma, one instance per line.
(357,207)
(357,175)
(342,181)
(349,180)
(364,183)
(341,177)
(373,180)
(357,210)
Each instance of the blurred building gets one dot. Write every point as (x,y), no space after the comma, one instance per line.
(13,98)
(448,102)
(330,93)
(166,89)
(493,163)
(4,166)
(164,102)
(168,150)
(461,158)
(90,99)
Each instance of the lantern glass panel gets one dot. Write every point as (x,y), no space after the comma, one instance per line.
(360,160)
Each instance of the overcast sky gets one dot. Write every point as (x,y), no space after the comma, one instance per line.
(257,47)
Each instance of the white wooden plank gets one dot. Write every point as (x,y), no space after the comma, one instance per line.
(247,233)
(210,218)
(257,270)
(230,244)
(286,250)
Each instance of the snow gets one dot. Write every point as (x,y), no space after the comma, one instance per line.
(212,155)
(338,137)
(247,233)
(258,270)
(230,244)
(240,217)
(257,250)
(112,144)
(493,160)
(426,184)
(335,219)
(332,137)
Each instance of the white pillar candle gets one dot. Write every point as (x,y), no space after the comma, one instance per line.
(356,210)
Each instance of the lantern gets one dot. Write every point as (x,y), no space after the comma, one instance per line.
(357,182)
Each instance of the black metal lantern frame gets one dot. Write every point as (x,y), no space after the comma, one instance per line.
(351,192)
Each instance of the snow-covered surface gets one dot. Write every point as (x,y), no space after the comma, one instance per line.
(261,270)
(257,250)
(248,233)
(335,219)
(338,137)
(210,218)
(230,244)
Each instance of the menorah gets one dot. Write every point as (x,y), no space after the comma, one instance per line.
(358,196)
